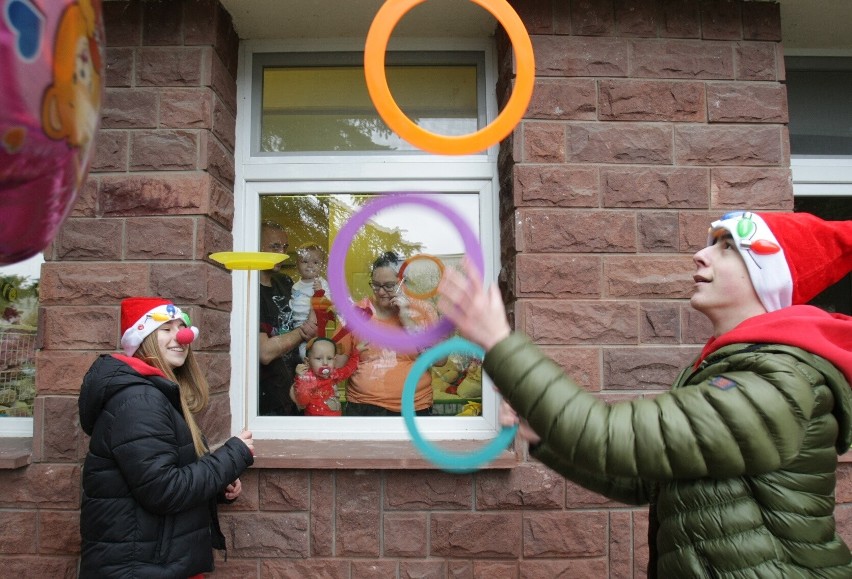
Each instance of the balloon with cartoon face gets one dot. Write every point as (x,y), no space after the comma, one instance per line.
(51,74)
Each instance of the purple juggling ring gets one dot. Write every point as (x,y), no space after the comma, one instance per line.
(370,331)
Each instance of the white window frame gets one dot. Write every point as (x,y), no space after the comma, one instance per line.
(349,173)
(817,176)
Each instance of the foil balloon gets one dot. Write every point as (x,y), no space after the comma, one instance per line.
(51,81)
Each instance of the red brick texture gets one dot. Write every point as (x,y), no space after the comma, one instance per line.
(649,119)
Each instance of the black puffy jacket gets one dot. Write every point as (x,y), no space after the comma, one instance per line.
(149,502)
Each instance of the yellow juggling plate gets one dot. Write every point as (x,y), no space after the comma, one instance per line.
(248,259)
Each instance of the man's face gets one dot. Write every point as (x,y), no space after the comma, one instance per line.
(274,241)
(723,288)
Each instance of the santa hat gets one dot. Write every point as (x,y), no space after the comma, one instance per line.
(141,316)
(791,257)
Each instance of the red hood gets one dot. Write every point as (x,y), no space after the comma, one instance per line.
(806,327)
(142,368)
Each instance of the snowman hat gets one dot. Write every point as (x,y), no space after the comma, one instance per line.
(141,316)
(791,257)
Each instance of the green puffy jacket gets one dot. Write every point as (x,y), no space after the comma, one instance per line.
(737,461)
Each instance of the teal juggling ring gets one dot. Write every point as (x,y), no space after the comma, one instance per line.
(449,461)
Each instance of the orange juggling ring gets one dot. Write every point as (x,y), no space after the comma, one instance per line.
(383,24)
(407,262)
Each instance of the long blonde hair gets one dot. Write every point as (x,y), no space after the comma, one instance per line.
(192,385)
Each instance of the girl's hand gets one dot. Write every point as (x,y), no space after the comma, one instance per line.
(478,313)
(233,490)
(508,417)
(245,436)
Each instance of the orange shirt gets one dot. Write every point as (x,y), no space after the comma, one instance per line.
(381,372)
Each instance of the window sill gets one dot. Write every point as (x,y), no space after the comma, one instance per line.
(360,454)
(15,452)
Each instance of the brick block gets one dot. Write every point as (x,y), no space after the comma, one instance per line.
(110,151)
(224,124)
(218,161)
(565,535)
(124,22)
(459,570)
(577,231)
(644,368)
(621,544)
(212,237)
(721,20)
(571,56)
(731,102)
(284,490)
(219,288)
(186,108)
(474,535)
(79,328)
(405,534)
(407,490)
(648,277)
(71,283)
(325,568)
(61,372)
(126,108)
(61,435)
(495,569)
(543,142)
(367,569)
(636,17)
(529,486)
(172,66)
(266,535)
(681,59)
(217,369)
(89,239)
(249,499)
(227,42)
(651,100)
(558,275)
(164,150)
(591,18)
(556,186)
(358,520)
(220,205)
(759,61)
(590,322)
(653,187)
(18,532)
(695,327)
(42,486)
(154,194)
(199,21)
(640,539)
(38,566)
(422,569)
(217,328)
(322,514)
(582,568)
(222,81)
(215,419)
(658,232)
(559,98)
(581,364)
(118,67)
(578,497)
(86,203)
(843,489)
(716,145)
(157,238)
(162,23)
(761,21)
(693,229)
(679,19)
(619,143)
(59,532)
(755,188)
(659,323)
(537,16)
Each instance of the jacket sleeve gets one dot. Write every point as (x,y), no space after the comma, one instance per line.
(145,447)
(750,425)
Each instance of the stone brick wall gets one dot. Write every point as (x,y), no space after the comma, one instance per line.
(649,118)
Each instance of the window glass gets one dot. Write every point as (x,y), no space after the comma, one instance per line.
(422,240)
(326,107)
(18,326)
(820,109)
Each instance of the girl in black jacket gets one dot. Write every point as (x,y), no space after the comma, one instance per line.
(150,484)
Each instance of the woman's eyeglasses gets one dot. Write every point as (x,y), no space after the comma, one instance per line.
(390,287)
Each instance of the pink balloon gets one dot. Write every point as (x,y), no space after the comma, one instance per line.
(51,74)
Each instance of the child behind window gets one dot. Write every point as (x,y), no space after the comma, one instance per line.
(315,387)
(310,293)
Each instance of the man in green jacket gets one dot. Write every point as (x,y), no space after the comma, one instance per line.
(738,461)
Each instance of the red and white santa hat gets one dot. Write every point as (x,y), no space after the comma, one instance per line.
(140,316)
(791,257)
